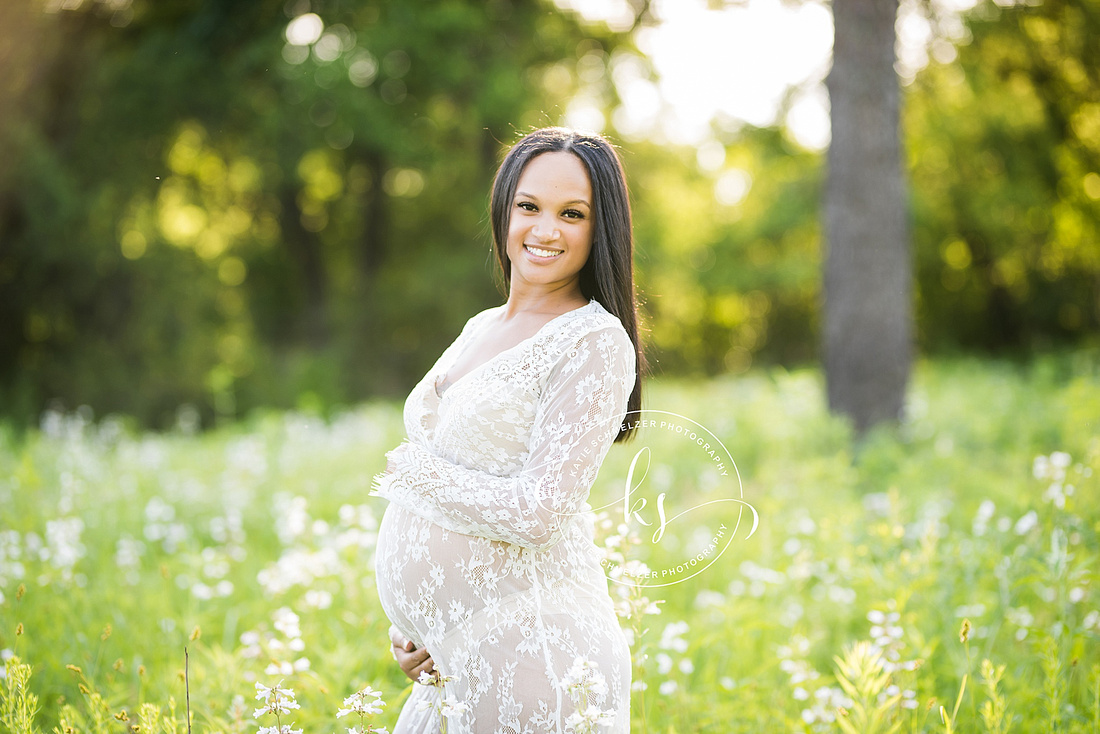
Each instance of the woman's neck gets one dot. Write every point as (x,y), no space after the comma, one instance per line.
(555,301)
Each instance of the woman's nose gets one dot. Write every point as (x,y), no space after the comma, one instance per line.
(545,233)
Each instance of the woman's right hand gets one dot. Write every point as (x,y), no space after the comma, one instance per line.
(413,661)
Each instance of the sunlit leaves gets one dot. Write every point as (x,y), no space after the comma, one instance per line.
(323,181)
(208,203)
(1001,144)
(222,179)
(728,243)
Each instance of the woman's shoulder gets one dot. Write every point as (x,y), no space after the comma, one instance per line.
(591,329)
(591,341)
(594,318)
(479,317)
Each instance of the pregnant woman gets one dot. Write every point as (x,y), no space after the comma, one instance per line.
(486,560)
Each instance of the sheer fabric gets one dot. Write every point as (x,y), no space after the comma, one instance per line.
(485,553)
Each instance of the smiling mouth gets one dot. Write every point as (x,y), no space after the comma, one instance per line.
(542,252)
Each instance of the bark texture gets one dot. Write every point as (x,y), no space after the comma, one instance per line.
(867,336)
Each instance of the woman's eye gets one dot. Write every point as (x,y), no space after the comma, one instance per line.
(527,206)
(573,214)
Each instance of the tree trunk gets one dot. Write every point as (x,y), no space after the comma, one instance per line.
(868,281)
(305,250)
(372,246)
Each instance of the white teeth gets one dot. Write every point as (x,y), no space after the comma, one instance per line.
(540,252)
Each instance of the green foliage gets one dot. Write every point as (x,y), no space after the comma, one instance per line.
(18,705)
(1004,158)
(729,264)
(251,546)
(197,211)
(994,709)
(860,673)
(199,218)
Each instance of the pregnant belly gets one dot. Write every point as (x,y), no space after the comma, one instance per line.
(430,579)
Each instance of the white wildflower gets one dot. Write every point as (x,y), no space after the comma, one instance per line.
(453,707)
(277,700)
(1026,523)
(1056,495)
(588,719)
(286,621)
(318,598)
(284,729)
(672,637)
(985,514)
(367,702)
(1040,467)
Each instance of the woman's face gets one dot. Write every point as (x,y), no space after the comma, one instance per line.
(550,232)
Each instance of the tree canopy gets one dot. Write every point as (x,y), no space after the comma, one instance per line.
(235,204)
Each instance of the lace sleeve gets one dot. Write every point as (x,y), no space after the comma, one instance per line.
(578,416)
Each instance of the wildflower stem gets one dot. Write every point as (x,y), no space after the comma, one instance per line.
(98,656)
(187,687)
(958,701)
(1095,675)
(638,611)
(439,709)
(964,637)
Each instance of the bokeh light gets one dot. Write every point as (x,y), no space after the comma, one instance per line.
(304,30)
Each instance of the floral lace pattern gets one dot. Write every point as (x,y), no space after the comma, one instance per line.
(485,554)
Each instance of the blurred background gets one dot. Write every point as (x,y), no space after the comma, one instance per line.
(208,206)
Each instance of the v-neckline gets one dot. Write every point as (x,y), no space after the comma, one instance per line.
(498,355)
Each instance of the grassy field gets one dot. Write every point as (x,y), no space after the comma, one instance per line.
(940,577)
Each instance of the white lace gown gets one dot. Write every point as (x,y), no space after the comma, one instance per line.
(485,553)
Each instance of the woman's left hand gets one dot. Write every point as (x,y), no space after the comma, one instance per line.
(413,660)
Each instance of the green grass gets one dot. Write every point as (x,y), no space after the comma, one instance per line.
(119,550)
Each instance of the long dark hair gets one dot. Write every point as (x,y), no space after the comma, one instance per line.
(608,276)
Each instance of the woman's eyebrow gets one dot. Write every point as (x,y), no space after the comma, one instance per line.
(571,201)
